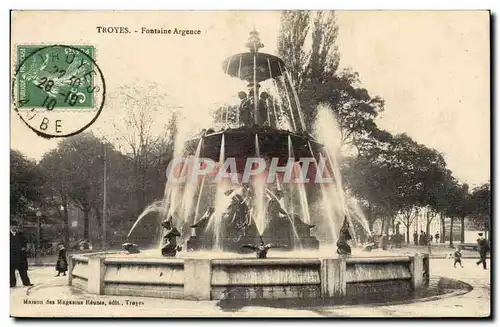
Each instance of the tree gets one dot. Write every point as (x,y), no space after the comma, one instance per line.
(408,217)
(26,182)
(457,204)
(401,176)
(76,170)
(317,79)
(146,139)
(465,210)
(369,178)
(481,207)
(56,188)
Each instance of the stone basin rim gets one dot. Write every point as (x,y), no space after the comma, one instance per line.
(109,259)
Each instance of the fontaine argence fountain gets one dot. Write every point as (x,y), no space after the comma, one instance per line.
(218,218)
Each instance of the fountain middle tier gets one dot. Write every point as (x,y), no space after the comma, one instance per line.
(240,143)
(254,211)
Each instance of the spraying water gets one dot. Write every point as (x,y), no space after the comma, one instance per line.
(190,190)
(259,190)
(157,207)
(328,133)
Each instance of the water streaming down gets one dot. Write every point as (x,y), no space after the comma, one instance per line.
(297,102)
(222,202)
(290,107)
(327,207)
(190,188)
(301,190)
(291,202)
(171,188)
(259,190)
(200,194)
(327,133)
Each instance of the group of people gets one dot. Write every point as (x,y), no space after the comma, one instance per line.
(19,257)
(424,238)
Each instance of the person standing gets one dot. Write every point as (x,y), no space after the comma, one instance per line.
(62,261)
(437,237)
(483,250)
(18,257)
(421,239)
(458,257)
(383,242)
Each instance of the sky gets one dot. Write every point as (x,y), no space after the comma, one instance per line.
(431,68)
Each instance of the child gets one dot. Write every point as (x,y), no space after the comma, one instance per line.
(62,263)
(458,258)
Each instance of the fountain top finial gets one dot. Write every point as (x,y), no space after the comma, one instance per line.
(254,43)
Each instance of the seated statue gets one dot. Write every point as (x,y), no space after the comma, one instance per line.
(342,246)
(170,247)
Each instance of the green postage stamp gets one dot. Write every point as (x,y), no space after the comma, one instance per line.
(53,85)
(52,77)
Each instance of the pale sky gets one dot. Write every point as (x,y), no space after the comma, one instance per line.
(431,68)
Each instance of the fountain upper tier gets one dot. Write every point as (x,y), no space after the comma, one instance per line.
(263,106)
(256,90)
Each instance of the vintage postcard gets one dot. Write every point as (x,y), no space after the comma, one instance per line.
(250,164)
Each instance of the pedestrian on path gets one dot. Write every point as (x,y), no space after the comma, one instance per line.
(422,238)
(483,250)
(62,261)
(18,257)
(437,237)
(458,257)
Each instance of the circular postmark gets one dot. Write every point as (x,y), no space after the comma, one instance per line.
(57,90)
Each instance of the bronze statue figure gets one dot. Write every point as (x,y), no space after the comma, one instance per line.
(170,247)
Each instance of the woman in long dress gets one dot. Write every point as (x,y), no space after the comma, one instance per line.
(62,262)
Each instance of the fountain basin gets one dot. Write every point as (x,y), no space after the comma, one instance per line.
(243,278)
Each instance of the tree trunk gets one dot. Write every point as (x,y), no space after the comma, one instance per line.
(99,223)
(462,230)
(443,230)
(451,232)
(407,230)
(86,220)
(65,226)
